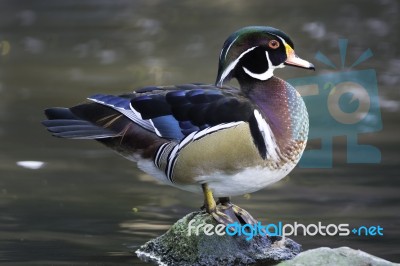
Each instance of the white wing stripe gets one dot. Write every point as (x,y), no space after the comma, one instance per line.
(155,129)
(132,114)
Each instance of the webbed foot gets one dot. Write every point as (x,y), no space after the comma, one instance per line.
(225,212)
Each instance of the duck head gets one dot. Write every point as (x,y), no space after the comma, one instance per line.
(253,53)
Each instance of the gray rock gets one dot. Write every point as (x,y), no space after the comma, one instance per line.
(177,247)
(336,257)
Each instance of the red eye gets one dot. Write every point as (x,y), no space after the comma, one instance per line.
(273,44)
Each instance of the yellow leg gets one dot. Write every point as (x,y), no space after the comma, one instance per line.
(209,201)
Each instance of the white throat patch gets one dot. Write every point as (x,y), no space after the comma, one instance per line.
(263,76)
(267,74)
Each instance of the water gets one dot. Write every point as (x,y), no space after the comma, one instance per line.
(86,205)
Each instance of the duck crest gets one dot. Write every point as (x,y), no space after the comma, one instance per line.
(283,109)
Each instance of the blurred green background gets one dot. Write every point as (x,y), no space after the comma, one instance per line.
(86,205)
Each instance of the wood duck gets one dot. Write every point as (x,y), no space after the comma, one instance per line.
(212,139)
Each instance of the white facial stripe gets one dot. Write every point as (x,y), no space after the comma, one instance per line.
(263,76)
(232,66)
(284,44)
(220,54)
(229,47)
(267,74)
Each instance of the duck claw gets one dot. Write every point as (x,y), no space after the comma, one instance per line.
(243,215)
(228,213)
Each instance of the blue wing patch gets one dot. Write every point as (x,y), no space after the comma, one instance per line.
(168,127)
